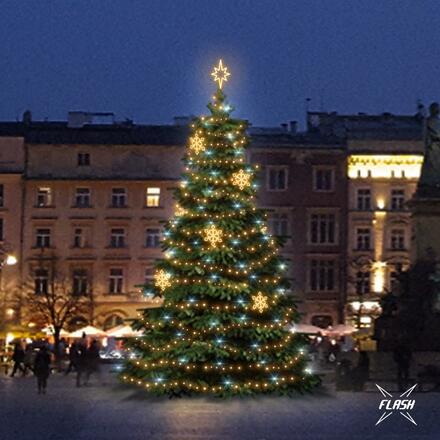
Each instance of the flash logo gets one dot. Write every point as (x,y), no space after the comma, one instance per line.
(397,404)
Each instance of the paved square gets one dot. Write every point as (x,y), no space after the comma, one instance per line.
(103,412)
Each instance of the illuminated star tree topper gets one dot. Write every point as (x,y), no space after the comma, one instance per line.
(220,74)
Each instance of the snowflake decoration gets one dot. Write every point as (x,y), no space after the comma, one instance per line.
(213,235)
(242,179)
(162,279)
(259,302)
(197,144)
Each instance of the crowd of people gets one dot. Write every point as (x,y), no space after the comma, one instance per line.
(40,358)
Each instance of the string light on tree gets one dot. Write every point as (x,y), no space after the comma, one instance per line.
(223,324)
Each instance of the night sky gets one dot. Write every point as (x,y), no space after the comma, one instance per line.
(149,60)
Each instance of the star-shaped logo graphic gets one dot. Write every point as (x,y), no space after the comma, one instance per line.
(400,404)
(220,74)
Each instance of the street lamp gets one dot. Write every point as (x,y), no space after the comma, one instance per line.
(11,260)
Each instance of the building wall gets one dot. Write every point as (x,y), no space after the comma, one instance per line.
(384,172)
(132,168)
(299,202)
(11,169)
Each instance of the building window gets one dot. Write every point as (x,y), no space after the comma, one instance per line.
(322,275)
(363,199)
(322,321)
(42,238)
(322,229)
(362,282)
(323,179)
(397,239)
(276,178)
(82,197)
(119,198)
(279,224)
(116,281)
(397,199)
(395,274)
(79,238)
(83,159)
(152,197)
(117,238)
(363,239)
(44,196)
(152,238)
(149,275)
(112,321)
(80,282)
(2,230)
(2,195)
(41,281)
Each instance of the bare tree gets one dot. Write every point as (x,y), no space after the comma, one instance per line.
(50,298)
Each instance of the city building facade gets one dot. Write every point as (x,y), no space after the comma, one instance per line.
(89,200)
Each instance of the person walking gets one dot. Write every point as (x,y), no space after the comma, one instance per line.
(17,358)
(74,354)
(402,356)
(93,360)
(28,359)
(42,369)
(81,362)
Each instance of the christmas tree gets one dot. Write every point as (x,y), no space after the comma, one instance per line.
(223,327)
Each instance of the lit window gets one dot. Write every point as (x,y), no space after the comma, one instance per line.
(41,281)
(80,282)
(363,239)
(322,229)
(279,224)
(363,199)
(322,275)
(44,197)
(42,236)
(397,239)
(119,198)
(153,197)
(117,238)
(116,281)
(277,178)
(152,238)
(82,197)
(323,179)
(397,199)
(83,159)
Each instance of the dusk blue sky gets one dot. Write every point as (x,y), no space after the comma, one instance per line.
(149,60)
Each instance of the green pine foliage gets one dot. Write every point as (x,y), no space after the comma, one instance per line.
(223,328)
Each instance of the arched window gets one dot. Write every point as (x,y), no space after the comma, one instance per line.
(322,321)
(113,321)
(76,323)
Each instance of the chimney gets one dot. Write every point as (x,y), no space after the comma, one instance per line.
(284,127)
(27,117)
(293,128)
